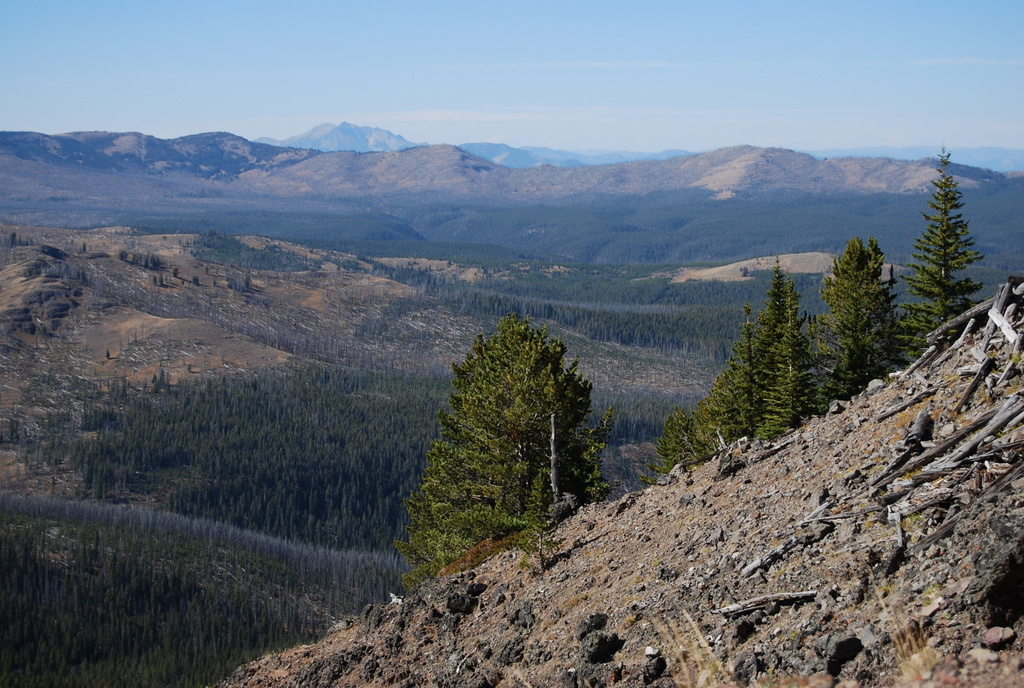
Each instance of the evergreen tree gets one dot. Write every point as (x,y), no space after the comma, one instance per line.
(943,250)
(681,441)
(489,474)
(858,339)
(783,359)
(728,412)
(765,388)
(732,407)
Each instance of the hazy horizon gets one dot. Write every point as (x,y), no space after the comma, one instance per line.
(597,76)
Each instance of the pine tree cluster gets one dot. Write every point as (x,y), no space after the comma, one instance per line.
(785,366)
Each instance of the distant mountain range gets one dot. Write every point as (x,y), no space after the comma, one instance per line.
(724,205)
(90,165)
(351,137)
(345,137)
(530,156)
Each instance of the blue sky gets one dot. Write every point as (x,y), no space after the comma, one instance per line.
(642,75)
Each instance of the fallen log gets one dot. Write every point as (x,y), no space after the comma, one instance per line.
(1003,324)
(938,450)
(847,514)
(807,538)
(769,558)
(920,430)
(903,406)
(747,606)
(959,320)
(1009,410)
(975,383)
(926,357)
(947,527)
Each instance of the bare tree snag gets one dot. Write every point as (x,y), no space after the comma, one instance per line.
(556,495)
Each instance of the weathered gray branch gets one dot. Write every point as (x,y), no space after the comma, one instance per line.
(959,320)
(973,387)
(741,608)
(903,406)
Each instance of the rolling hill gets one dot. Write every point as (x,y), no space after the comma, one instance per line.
(240,168)
(727,205)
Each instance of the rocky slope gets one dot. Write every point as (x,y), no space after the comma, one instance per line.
(882,543)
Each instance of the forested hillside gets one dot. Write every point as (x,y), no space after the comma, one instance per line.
(98,596)
(196,379)
(320,455)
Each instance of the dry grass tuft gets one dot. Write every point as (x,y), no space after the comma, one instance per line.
(917,659)
(692,663)
(481,552)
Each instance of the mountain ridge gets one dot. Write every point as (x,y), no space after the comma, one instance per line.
(444,169)
(345,136)
(725,205)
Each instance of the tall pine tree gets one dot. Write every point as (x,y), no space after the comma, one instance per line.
(858,339)
(489,474)
(943,250)
(783,355)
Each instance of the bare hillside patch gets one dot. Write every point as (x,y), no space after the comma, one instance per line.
(810,263)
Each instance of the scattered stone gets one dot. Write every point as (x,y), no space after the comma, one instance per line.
(840,649)
(594,622)
(510,652)
(983,656)
(867,636)
(745,667)
(457,603)
(998,636)
(652,669)
(599,647)
(522,616)
(936,605)
(875,385)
